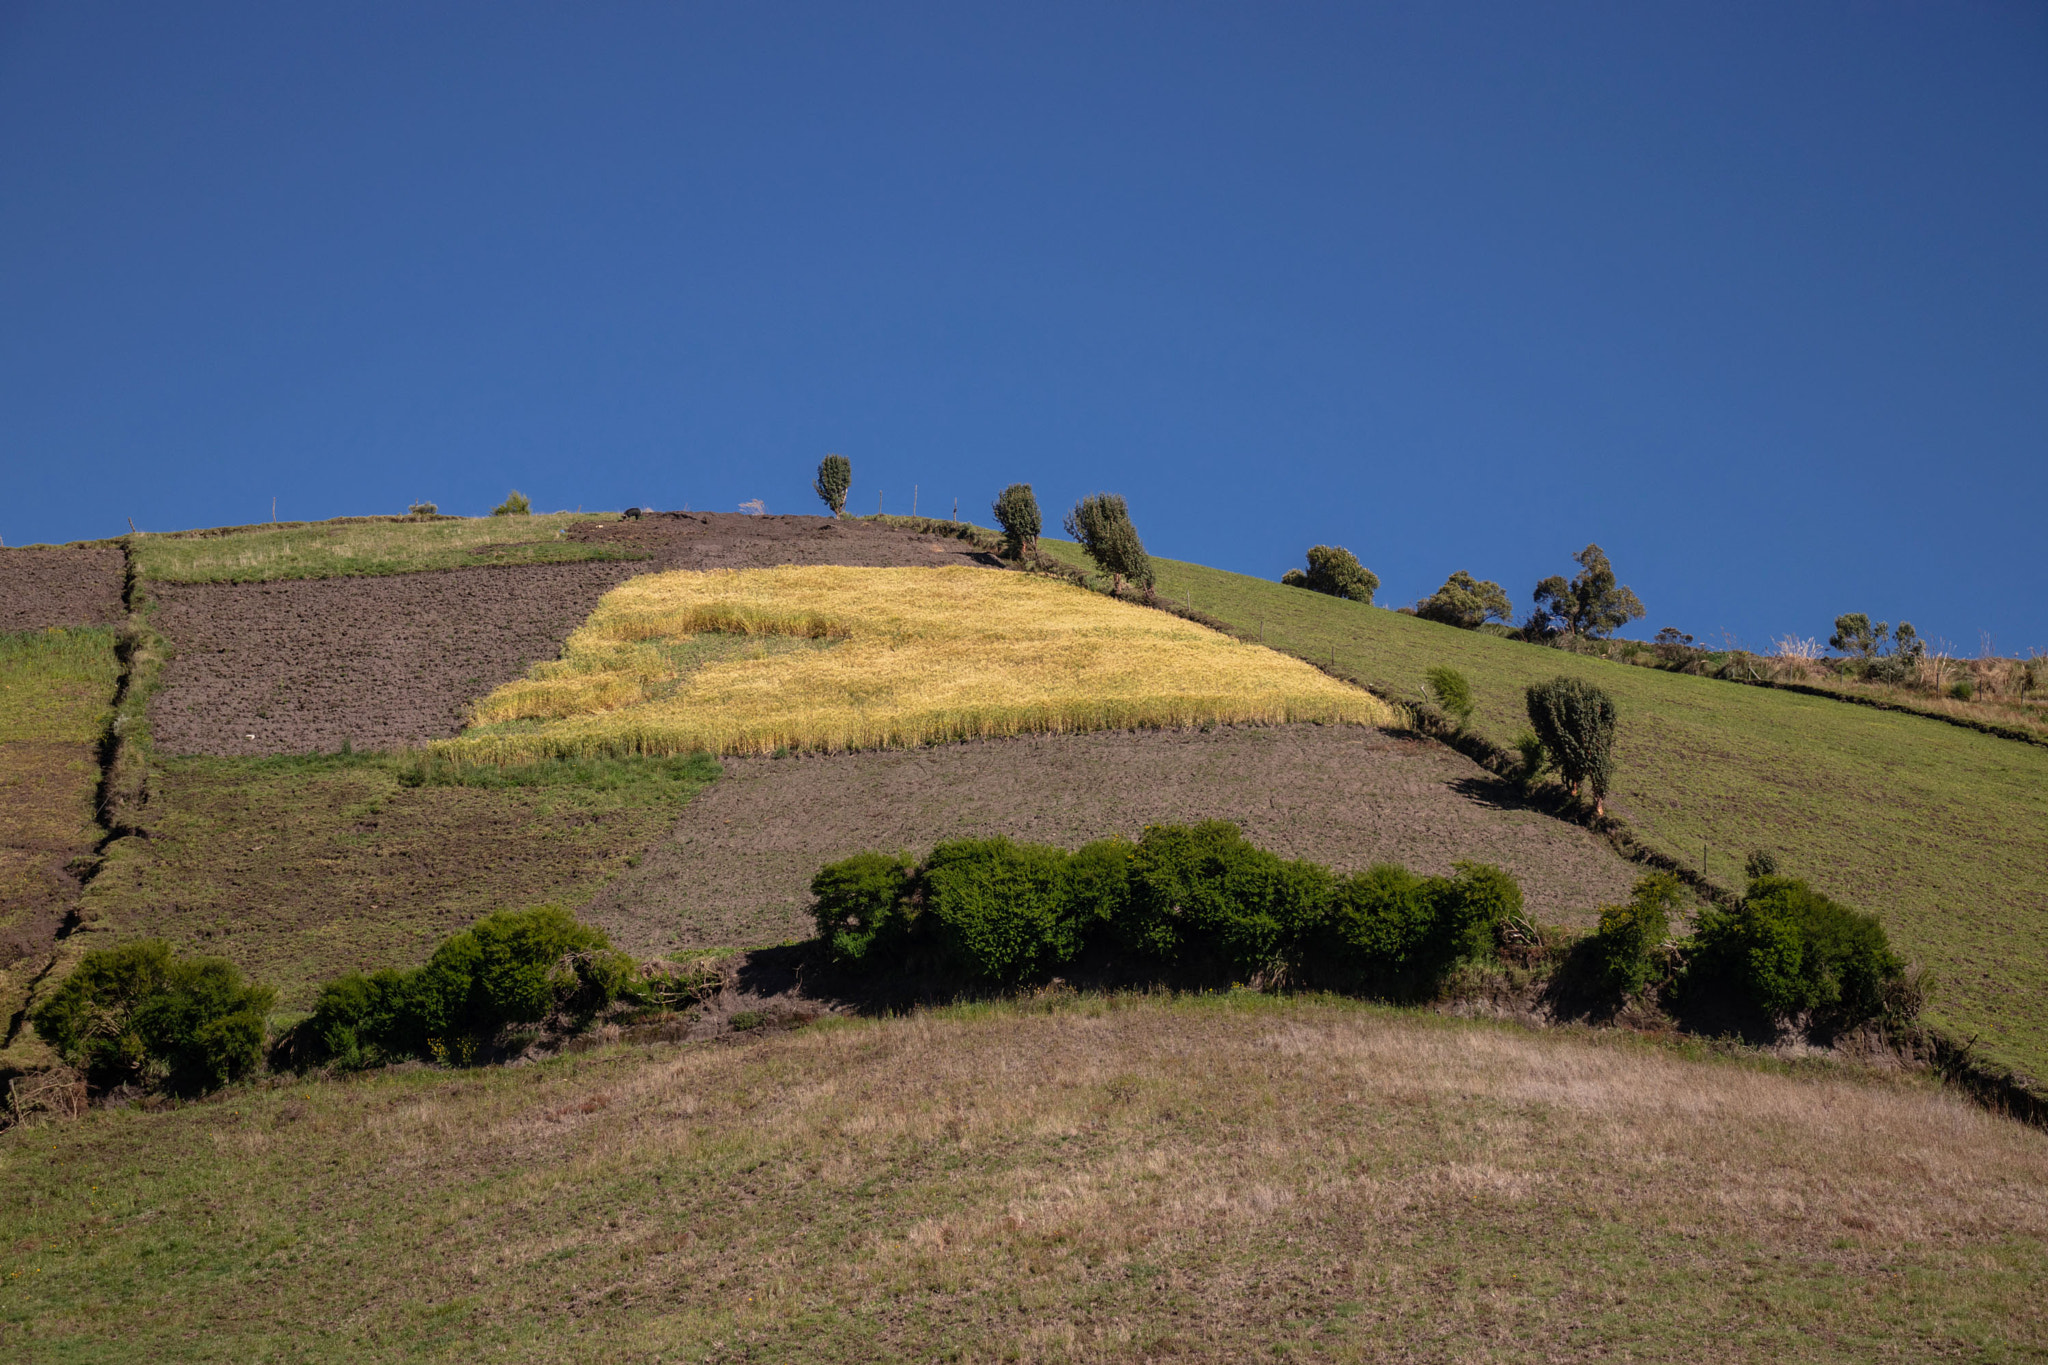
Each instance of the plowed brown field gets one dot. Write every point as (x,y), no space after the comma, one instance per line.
(730,540)
(291,666)
(737,867)
(44,587)
(380,663)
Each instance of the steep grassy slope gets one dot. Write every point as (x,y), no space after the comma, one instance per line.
(1941,830)
(299,869)
(1191,1179)
(55,690)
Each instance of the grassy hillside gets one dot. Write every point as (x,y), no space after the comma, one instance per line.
(298,869)
(56,687)
(1941,830)
(352,545)
(1215,1179)
(916,656)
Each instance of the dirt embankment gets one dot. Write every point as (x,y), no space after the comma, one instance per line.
(737,867)
(43,587)
(732,540)
(297,665)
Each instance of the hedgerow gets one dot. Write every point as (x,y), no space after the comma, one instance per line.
(515,967)
(1192,902)
(139,1014)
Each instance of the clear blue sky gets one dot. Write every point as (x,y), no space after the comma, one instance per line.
(1755,296)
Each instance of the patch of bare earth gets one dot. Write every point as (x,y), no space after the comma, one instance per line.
(45,587)
(731,540)
(381,663)
(737,868)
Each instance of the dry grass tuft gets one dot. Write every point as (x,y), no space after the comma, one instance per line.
(915,656)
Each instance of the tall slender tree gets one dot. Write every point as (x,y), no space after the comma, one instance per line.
(835,476)
(1102,524)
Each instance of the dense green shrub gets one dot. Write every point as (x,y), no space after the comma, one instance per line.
(1535,757)
(1449,690)
(858,903)
(1335,571)
(1389,929)
(1195,903)
(835,477)
(513,967)
(999,909)
(1016,511)
(1101,523)
(1466,602)
(140,1014)
(514,505)
(1788,950)
(1629,933)
(1204,899)
(1576,720)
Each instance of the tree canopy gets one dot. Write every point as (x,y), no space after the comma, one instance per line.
(1592,604)
(1102,524)
(835,476)
(1576,722)
(1016,510)
(1335,570)
(1466,602)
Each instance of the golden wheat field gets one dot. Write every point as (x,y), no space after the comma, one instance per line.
(754,660)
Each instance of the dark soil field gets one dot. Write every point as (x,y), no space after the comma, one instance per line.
(732,540)
(60,587)
(380,663)
(298,869)
(736,870)
(392,661)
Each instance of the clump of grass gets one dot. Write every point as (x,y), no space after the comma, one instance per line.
(365,546)
(918,656)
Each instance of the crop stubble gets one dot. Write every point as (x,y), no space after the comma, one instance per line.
(735,870)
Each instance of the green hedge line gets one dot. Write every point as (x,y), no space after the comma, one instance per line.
(1195,902)
(1200,903)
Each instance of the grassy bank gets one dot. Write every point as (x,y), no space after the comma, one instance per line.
(298,869)
(56,687)
(1220,1178)
(1941,830)
(350,545)
(915,656)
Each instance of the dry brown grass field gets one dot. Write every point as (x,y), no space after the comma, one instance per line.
(1088,1179)
(907,656)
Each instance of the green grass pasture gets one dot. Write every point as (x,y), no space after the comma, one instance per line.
(333,549)
(56,684)
(298,869)
(1941,830)
(1223,1178)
